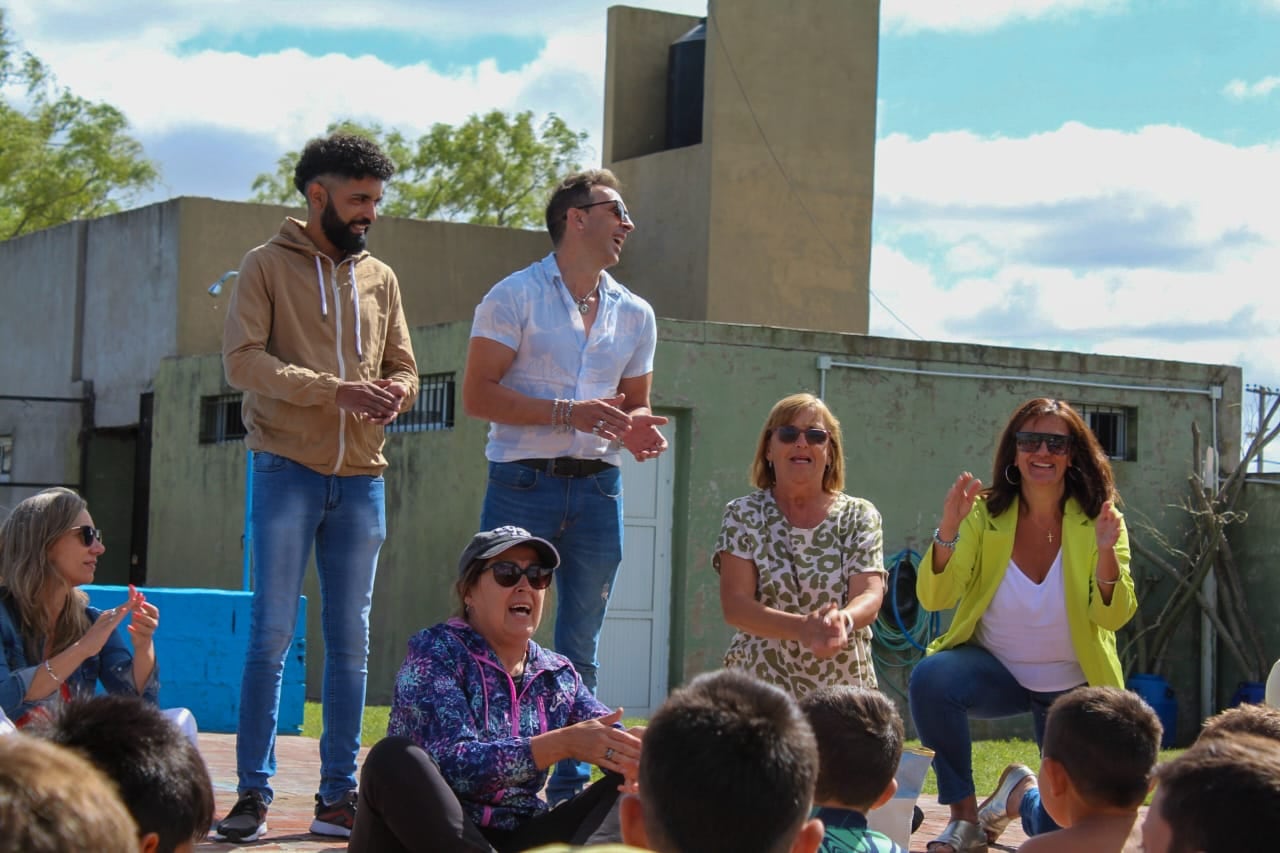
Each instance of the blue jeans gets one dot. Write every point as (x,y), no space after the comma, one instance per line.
(582,517)
(949,687)
(345,518)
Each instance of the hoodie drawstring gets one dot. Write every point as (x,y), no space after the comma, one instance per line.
(324,306)
(355,305)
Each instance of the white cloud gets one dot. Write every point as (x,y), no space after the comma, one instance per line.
(1157,243)
(911,16)
(1239,90)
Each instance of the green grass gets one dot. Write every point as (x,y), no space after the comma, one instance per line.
(989,756)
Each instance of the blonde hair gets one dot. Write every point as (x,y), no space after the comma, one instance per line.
(784,412)
(29,578)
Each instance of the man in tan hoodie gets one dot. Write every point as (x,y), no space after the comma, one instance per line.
(316,338)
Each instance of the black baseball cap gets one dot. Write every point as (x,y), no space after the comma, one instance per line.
(488,543)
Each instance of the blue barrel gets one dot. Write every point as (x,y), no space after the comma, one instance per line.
(1252,692)
(1157,693)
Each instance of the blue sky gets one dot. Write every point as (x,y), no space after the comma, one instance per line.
(1088,175)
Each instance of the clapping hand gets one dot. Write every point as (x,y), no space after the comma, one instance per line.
(824,631)
(958,503)
(1107,526)
(644,439)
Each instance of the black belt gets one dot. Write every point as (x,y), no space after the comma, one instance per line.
(566,466)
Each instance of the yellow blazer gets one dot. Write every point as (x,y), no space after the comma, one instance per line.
(980,560)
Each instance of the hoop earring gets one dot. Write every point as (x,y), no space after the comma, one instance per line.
(1009,479)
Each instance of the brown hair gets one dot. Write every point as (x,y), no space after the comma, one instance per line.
(574,191)
(1261,720)
(1108,742)
(1091,484)
(859,734)
(27,577)
(783,412)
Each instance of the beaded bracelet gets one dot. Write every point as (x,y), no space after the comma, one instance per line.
(937,538)
(568,416)
(52,674)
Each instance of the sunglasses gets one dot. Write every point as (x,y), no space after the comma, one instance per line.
(619,209)
(813,435)
(1029,442)
(508,574)
(88,534)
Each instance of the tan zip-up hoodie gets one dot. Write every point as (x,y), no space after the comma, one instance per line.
(292,335)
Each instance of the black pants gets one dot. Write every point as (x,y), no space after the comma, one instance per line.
(407,807)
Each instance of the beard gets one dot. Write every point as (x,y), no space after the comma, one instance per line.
(339,233)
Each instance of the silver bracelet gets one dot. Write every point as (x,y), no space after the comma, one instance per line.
(938,540)
(568,416)
(52,674)
(1101,582)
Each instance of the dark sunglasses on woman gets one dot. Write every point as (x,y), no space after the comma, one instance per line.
(790,434)
(1029,442)
(508,574)
(88,534)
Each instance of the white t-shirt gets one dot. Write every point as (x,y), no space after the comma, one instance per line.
(1025,627)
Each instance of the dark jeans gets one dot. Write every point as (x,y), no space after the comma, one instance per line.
(406,806)
(949,687)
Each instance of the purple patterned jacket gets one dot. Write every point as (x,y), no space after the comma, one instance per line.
(454,699)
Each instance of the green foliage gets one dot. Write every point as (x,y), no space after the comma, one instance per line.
(493,169)
(62,157)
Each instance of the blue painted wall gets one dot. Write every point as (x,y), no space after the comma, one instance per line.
(200,648)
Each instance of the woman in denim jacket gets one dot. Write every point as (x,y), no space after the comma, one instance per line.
(481,712)
(55,645)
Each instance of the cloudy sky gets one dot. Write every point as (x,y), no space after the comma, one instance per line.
(1091,175)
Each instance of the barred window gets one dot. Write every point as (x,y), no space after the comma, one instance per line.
(220,419)
(1115,427)
(433,410)
(6,458)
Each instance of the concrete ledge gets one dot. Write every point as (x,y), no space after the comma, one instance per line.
(200,649)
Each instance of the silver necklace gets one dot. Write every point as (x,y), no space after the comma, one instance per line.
(584,304)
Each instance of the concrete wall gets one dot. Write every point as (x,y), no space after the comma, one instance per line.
(776,200)
(1255,544)
(907,436)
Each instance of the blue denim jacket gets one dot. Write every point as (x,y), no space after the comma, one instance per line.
(113,666)
(455,699)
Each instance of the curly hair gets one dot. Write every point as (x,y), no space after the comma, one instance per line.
(28,578)
(348,155)
(1091,485)
(574,191)
(784,412)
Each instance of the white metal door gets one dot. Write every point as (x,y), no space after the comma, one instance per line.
(635,641)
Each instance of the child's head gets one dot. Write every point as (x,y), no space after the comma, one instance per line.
(1107,741)
(1261,720)
(859,734)
(728,764)
(161,777)
(1220,796)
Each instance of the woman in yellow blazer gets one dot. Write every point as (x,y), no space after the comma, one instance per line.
(1037,567)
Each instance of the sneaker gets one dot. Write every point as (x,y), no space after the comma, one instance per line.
(335,819)
(247,820)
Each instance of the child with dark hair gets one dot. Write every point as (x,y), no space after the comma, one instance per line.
(160,775)
(1220,796)
(728,763)
(1101,745)
(1251,719)
(859,734)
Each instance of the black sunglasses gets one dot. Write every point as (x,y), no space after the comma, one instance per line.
(619,209)
(88,534)
(789,434)
(1029,442)
(508,574)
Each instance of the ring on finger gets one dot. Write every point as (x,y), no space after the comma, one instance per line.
(608,754)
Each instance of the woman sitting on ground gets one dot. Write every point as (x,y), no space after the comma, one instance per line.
(56,646)
(480,713)
(1037,567)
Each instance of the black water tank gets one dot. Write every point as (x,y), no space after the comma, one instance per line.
(686,61)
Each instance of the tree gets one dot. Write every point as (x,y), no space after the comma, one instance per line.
(62,157)
(492,169)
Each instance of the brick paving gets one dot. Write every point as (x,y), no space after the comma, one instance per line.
(295,784)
